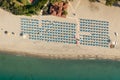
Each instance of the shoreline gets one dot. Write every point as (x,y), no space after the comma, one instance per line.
(63,56)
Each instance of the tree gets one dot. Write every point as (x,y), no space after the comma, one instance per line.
(110,2)
(5,4)
(15,7)
(64,12)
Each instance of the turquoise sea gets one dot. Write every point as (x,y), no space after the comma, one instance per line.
(30,68)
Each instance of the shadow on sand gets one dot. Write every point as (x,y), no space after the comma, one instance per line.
(116,4)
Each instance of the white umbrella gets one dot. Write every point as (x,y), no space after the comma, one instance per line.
(116,34)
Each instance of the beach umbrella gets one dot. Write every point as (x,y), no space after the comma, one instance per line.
(116,34)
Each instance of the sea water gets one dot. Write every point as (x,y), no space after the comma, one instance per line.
(31,68)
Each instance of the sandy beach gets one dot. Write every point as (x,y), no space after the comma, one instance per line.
(84,9)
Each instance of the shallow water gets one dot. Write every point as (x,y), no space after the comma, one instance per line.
(30,68)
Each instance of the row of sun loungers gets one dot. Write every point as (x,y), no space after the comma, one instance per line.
(64,32)
(98,30)
(50,31)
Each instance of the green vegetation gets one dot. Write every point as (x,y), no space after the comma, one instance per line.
(22,7)
(53,1)
(108,2)
(64,12)
(25,2)
(111,2)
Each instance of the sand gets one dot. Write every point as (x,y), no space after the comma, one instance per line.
(84,9)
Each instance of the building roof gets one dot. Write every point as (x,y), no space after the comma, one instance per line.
(57,8)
